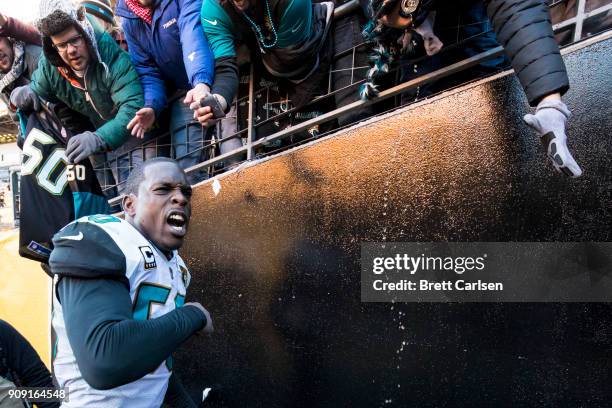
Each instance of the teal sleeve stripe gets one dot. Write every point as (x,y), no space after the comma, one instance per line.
(54,349)
(23,123)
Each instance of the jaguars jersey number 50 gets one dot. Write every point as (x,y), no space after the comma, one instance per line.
(47,174)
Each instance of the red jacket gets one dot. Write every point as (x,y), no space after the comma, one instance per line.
(20,31)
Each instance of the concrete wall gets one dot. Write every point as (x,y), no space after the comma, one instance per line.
(275,258)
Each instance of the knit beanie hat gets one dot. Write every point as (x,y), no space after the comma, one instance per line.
(101,9)
(387,43)
(61,13)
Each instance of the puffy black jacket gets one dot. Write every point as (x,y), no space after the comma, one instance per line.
(524,28)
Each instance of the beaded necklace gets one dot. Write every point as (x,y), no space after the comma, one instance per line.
(260,37)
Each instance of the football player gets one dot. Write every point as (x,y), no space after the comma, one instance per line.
(119,308)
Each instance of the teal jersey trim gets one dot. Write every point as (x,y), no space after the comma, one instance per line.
(54,354)
(23,123)
(88,203)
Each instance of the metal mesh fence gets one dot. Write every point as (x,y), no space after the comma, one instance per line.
(263,120)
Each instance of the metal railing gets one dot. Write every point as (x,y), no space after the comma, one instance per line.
(257,142)
(581,15)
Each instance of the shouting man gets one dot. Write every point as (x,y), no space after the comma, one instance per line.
(120,292)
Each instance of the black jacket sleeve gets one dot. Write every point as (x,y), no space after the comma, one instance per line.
(523,27)
(112,349)
(226,79)
(20,358)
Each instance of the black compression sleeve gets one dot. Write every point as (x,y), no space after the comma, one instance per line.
(112,349)
(226,79)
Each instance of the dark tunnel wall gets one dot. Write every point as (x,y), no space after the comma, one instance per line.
(275,258)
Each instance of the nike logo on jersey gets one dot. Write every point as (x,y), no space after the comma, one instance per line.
(77,237)
(214,22)
(293,30)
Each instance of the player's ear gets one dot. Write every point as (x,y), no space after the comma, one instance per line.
(129,204)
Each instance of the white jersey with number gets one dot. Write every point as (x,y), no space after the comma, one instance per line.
(157,286)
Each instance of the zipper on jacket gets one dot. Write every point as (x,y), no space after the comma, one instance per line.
(88,96)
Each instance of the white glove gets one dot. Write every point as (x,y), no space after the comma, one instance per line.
(549,121)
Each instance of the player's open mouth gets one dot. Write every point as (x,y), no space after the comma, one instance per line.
(177,220)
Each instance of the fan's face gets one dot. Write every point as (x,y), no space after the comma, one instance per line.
(72,48)
(394,20)
(243,5)
(6,55)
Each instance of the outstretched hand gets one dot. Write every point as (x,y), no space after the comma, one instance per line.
(83,145)
(204,115)
(25,99)
(198,92)
(549,122)
(431,42)
(142,122)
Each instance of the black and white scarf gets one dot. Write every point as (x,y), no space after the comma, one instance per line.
(17,68)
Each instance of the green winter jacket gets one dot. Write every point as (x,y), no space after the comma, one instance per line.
(109,99)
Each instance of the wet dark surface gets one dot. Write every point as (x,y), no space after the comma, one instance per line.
(275,258)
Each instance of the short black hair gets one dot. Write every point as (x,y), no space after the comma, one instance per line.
(55,23)
(137,174)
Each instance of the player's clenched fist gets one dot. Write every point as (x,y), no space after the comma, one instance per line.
(208,328)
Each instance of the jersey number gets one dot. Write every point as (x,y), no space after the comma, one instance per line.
(49,167)
(148,294)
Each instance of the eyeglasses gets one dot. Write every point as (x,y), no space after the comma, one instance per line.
(75,41)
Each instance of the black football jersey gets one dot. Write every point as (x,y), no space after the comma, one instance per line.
(53,193)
